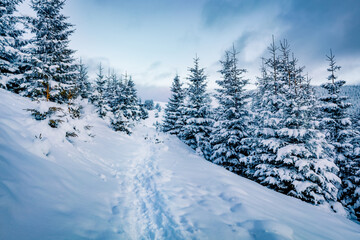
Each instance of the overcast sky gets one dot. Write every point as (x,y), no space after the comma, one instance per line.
(155,39)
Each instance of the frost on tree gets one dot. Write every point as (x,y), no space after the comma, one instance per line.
(230,135)
(116,101)
(172,119)
(339,132)
(350,191)
(54,71)
(13,59)
(291,154)
(83,86)
(196,112)
(98,96)
(131,109)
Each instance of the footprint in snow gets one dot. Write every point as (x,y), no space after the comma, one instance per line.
(267,229)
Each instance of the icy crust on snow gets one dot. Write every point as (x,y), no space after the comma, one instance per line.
(145,186)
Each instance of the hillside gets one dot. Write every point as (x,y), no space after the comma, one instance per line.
(107,185)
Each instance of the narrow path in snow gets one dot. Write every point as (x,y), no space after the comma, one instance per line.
(142,208)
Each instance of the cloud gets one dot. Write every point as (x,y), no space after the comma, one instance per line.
(155,93)
(224,13)
(154,65)
(312,28)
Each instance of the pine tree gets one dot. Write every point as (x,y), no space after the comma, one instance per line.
(54,71)
(13,59)
(117,103)
(338,126)
(230,136)
(172,123)
(83,86)
(268,105)
(131,108)
(350,191)
(98,96)
(292,156)
(335,119)
(196,113)
(144,114)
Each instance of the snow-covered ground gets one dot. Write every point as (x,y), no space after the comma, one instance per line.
(106,185)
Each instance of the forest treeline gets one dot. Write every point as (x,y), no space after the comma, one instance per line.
(281,135)
(42,66)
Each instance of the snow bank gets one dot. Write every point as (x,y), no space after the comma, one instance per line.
(106,185)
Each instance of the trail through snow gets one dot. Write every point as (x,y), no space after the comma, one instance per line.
(106,185)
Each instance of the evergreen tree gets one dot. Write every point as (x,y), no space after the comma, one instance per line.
(335,119)
(172,122)
(131,107)
(268,105)
(292,156)
(350,191)
(338,126)
(144,114)
(83,86)
(230,136)
(13,59)
(117,103)
(149,104)
(196,113)
(98,96)
(54,71)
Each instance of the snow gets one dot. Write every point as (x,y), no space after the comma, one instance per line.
(145,186)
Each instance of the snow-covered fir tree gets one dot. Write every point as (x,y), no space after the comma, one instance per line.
(116,99)
(172,119)
(268,107)
(196,113)
(291,154)
(350,191)
(230,135)
(337,124)
(98,96)
(144,114)
(83,86)
(13,59)
(131,108)
(335,119)
(54,70)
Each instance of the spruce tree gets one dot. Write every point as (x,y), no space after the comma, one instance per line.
(337,124)
(83,86)
(268,105)
(131,108)
(230,135)
(13,59)
(292,156)
(335,119)
(172,119)
(98,96)
(144,114)
(196,113)
(54,70)
(117,104)
(350,191)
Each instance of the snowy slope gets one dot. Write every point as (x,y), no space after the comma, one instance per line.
(145,186)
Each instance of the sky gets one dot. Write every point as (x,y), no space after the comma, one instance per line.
(153,40)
